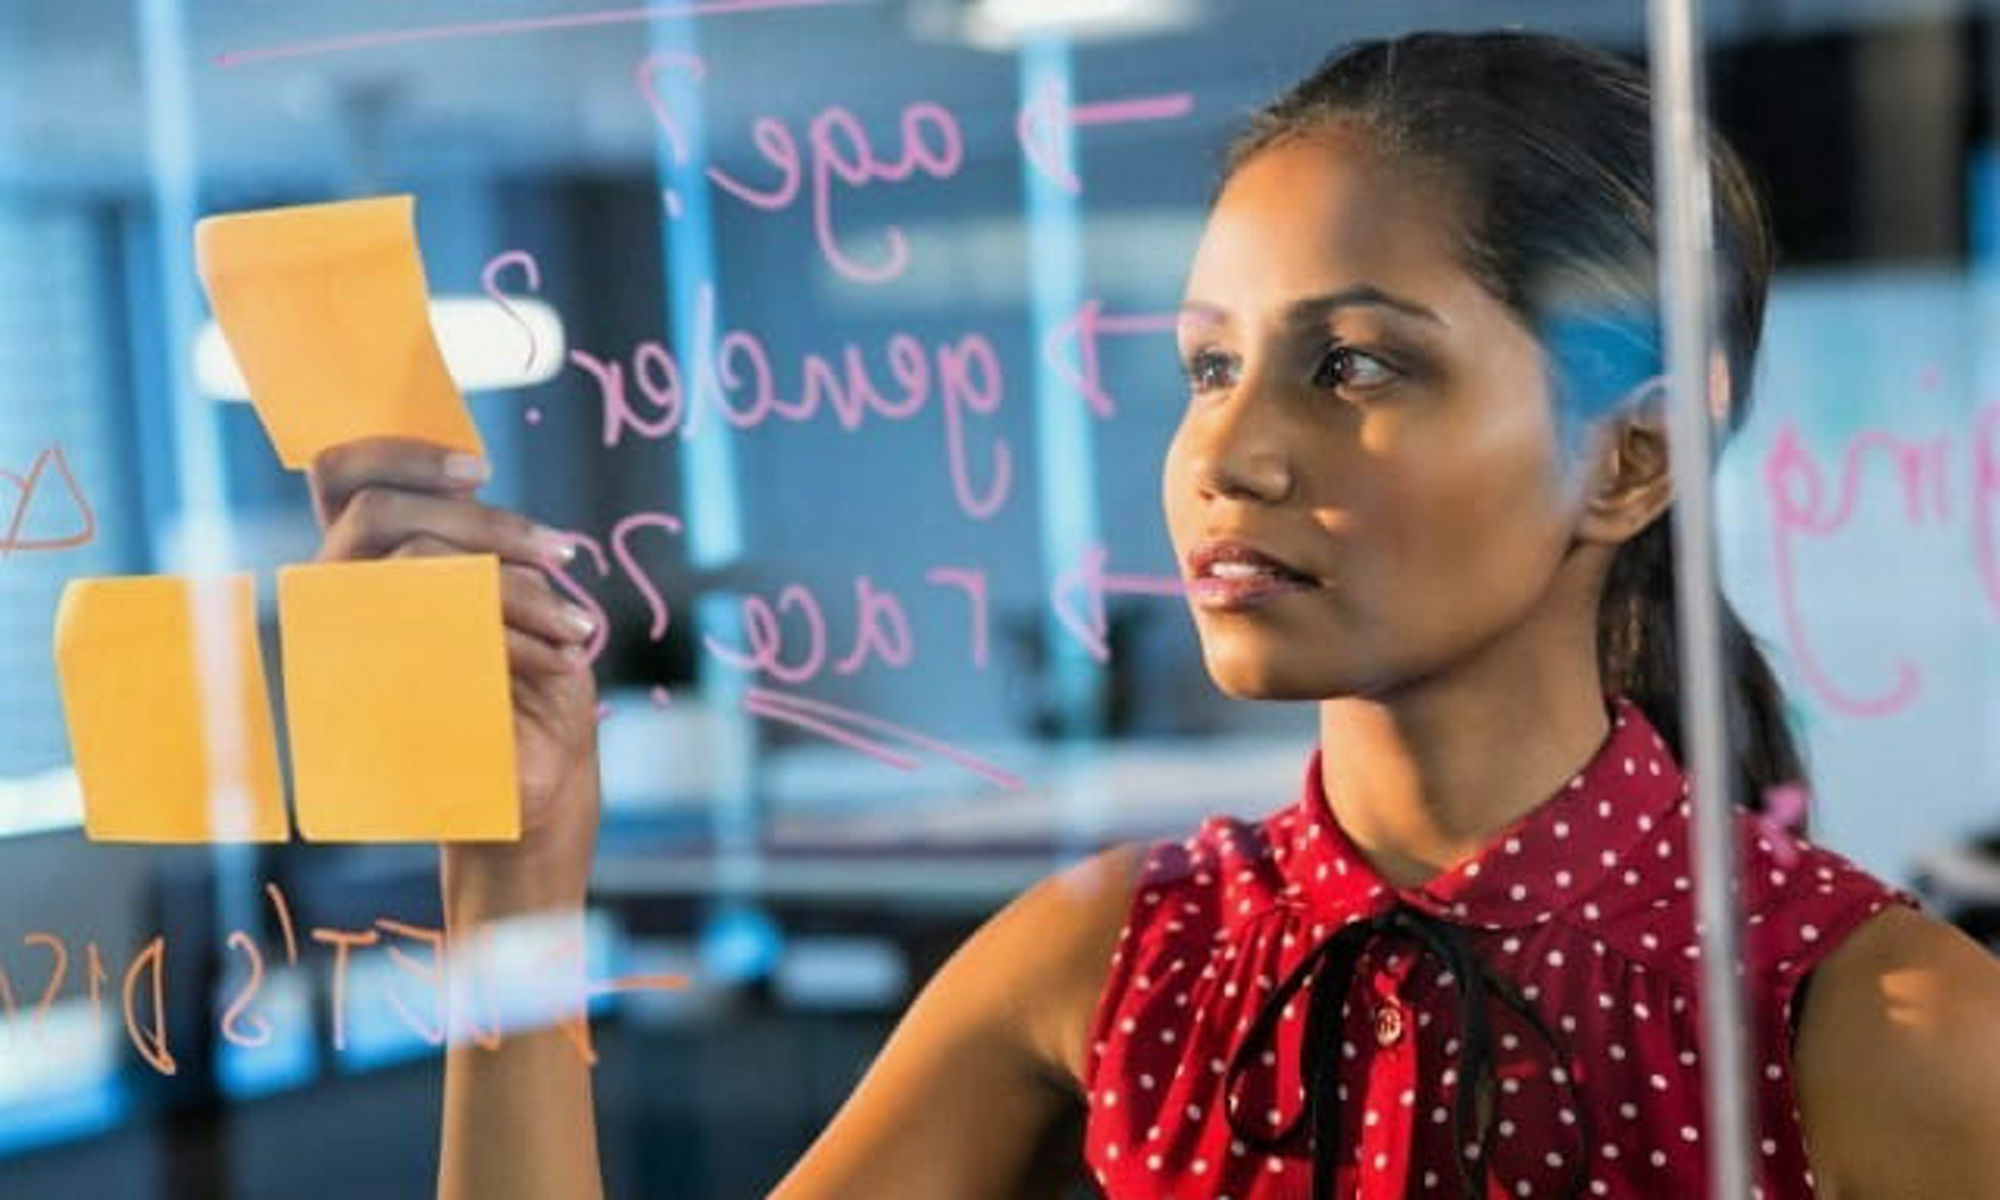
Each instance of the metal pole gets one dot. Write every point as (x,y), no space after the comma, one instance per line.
(1682,187)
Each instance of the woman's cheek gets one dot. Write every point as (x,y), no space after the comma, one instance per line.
(1176,494)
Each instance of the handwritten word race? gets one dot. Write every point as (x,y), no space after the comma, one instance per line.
(882,629)
(787,638)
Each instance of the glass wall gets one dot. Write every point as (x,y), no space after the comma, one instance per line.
(837,341)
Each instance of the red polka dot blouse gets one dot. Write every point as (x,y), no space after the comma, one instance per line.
(1271,993)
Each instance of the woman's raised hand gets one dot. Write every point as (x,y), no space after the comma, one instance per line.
(390,498)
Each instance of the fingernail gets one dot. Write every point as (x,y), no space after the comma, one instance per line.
(551,544)
(576,656)
(466,468)
(578,620)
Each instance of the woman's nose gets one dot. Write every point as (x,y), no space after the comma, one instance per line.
(1242,449)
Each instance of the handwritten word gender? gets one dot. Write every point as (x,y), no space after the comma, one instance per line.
(732,376)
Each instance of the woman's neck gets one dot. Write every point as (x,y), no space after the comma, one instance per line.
(1419,782)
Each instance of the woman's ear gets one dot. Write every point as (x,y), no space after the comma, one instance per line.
(1633,480)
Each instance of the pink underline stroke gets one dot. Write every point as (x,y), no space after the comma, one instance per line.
(1139,108)
(970,762)
(486,29)
(780,712)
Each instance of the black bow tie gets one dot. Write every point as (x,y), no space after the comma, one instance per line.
(1333,965)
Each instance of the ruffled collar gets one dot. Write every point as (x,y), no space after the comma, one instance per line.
(1547,860)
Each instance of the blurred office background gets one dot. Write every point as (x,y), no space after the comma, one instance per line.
(808,888)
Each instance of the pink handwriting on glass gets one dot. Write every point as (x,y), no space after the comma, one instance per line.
(1045,121)
(838,152)
(241,1025)
(963,378)
(489,277)
(1084,332)
(25,489)
(733,377)
(1793,481)
(881,623)
(788,639)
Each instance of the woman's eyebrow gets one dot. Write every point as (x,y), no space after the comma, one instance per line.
(1200,314)
(1314,310)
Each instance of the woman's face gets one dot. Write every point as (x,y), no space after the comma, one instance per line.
(1362,411)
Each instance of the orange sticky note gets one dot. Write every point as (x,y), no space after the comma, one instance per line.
(325,308)
(141,723)
(398,701)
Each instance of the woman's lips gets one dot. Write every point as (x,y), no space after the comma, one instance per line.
(1236,594)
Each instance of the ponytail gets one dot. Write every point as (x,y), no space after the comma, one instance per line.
(1638,655)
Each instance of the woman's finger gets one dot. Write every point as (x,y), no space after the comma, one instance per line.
(342,471)
(545,635)
(530,657)
(377,520)
(532,606)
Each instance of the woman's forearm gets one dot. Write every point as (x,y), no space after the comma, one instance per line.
(518,1121)
(518,1116)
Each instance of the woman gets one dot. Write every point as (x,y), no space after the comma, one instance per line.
(1421,480)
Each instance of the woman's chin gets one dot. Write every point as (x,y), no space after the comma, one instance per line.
(1261,677)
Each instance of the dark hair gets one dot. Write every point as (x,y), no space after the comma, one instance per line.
(1547,144)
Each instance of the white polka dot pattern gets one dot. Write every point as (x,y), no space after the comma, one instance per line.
(1581,904)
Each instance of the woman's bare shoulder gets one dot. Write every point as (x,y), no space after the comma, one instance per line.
(1074,918)
(1899,1062)
(973,1094)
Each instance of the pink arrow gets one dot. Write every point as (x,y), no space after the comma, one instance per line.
(1090,578)
(1045,123)
(1083,371)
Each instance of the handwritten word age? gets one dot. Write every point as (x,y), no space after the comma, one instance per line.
(838,151)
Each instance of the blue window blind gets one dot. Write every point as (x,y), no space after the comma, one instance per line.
(60,372)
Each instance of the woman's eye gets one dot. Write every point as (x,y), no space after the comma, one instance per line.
(1344,365)
(1207,370)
